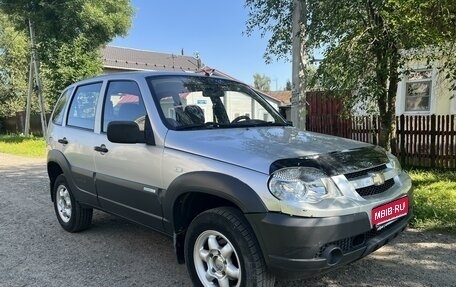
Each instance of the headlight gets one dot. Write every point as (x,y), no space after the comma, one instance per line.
(302,184)
(394,162)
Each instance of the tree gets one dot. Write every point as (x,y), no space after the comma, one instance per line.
(69,34)
(366,44)
(262,82)
(288,86)
(13,75)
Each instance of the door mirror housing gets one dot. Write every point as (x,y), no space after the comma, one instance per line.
(124,132)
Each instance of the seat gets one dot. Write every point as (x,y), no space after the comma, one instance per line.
(195,113)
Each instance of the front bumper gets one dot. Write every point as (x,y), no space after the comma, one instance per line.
(296,247)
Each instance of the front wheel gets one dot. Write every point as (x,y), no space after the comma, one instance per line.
(221,251)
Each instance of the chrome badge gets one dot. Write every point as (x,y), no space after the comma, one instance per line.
(377,177)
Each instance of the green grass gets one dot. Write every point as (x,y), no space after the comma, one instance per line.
(434,199)
(21,145)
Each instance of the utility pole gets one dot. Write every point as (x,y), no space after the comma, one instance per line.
(34,73)
(298,98)
(29,98)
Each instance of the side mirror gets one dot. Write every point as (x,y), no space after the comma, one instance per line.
(290,123)
(124,132)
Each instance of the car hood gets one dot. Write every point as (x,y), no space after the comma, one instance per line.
(258,147)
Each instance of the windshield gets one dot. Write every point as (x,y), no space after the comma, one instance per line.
(194,102)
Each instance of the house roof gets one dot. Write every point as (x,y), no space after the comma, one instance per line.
(132,59)
(283,96)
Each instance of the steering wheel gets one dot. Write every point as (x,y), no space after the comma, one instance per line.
(240,118)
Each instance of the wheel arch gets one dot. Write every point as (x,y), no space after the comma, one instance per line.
(195,192)
(56,165)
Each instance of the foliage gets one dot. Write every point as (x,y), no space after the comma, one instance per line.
(13,75)
(272,18)
(72,63)
(262,82)
(21,145)
(434,199)
(366,44)
(69,35)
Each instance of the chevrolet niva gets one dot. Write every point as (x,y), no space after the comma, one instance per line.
(210,162)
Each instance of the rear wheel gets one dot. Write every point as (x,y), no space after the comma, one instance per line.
(221,250)
(71,215)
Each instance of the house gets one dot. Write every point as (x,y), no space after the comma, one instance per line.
(284,97)
(425,91)
(120,59)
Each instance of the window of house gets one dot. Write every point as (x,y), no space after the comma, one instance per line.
(83,106)
(418,91)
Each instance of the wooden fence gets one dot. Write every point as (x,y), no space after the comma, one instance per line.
(422,141)
(16,124)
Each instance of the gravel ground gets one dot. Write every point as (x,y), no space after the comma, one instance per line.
(35,251)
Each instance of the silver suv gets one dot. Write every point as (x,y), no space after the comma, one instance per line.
(210,162)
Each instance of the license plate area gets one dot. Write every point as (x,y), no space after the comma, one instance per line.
(390,211)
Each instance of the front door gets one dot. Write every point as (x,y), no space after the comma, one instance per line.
(127,175)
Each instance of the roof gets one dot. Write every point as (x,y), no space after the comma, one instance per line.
(282,96)
(132,59)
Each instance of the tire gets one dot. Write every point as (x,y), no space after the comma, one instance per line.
(71,216)
(221,250)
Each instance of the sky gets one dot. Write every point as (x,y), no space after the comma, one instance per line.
(214,29)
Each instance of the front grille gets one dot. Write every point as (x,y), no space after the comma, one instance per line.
(375,189)
(364,172)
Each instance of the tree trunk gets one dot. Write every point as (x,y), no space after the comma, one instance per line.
(392,90)
(384,133)
(387,102)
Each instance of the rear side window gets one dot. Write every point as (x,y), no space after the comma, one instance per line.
(123,102)
(83,106)
(57,115)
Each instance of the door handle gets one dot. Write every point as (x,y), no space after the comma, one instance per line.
(63,141)
(101,148)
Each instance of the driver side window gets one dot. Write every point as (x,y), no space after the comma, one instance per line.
(123,102)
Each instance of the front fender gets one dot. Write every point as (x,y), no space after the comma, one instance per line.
(215,184)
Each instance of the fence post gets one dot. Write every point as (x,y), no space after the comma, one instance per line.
(401,132)
(433,137)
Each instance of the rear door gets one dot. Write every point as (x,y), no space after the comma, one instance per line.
(78,138)
(128,175)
